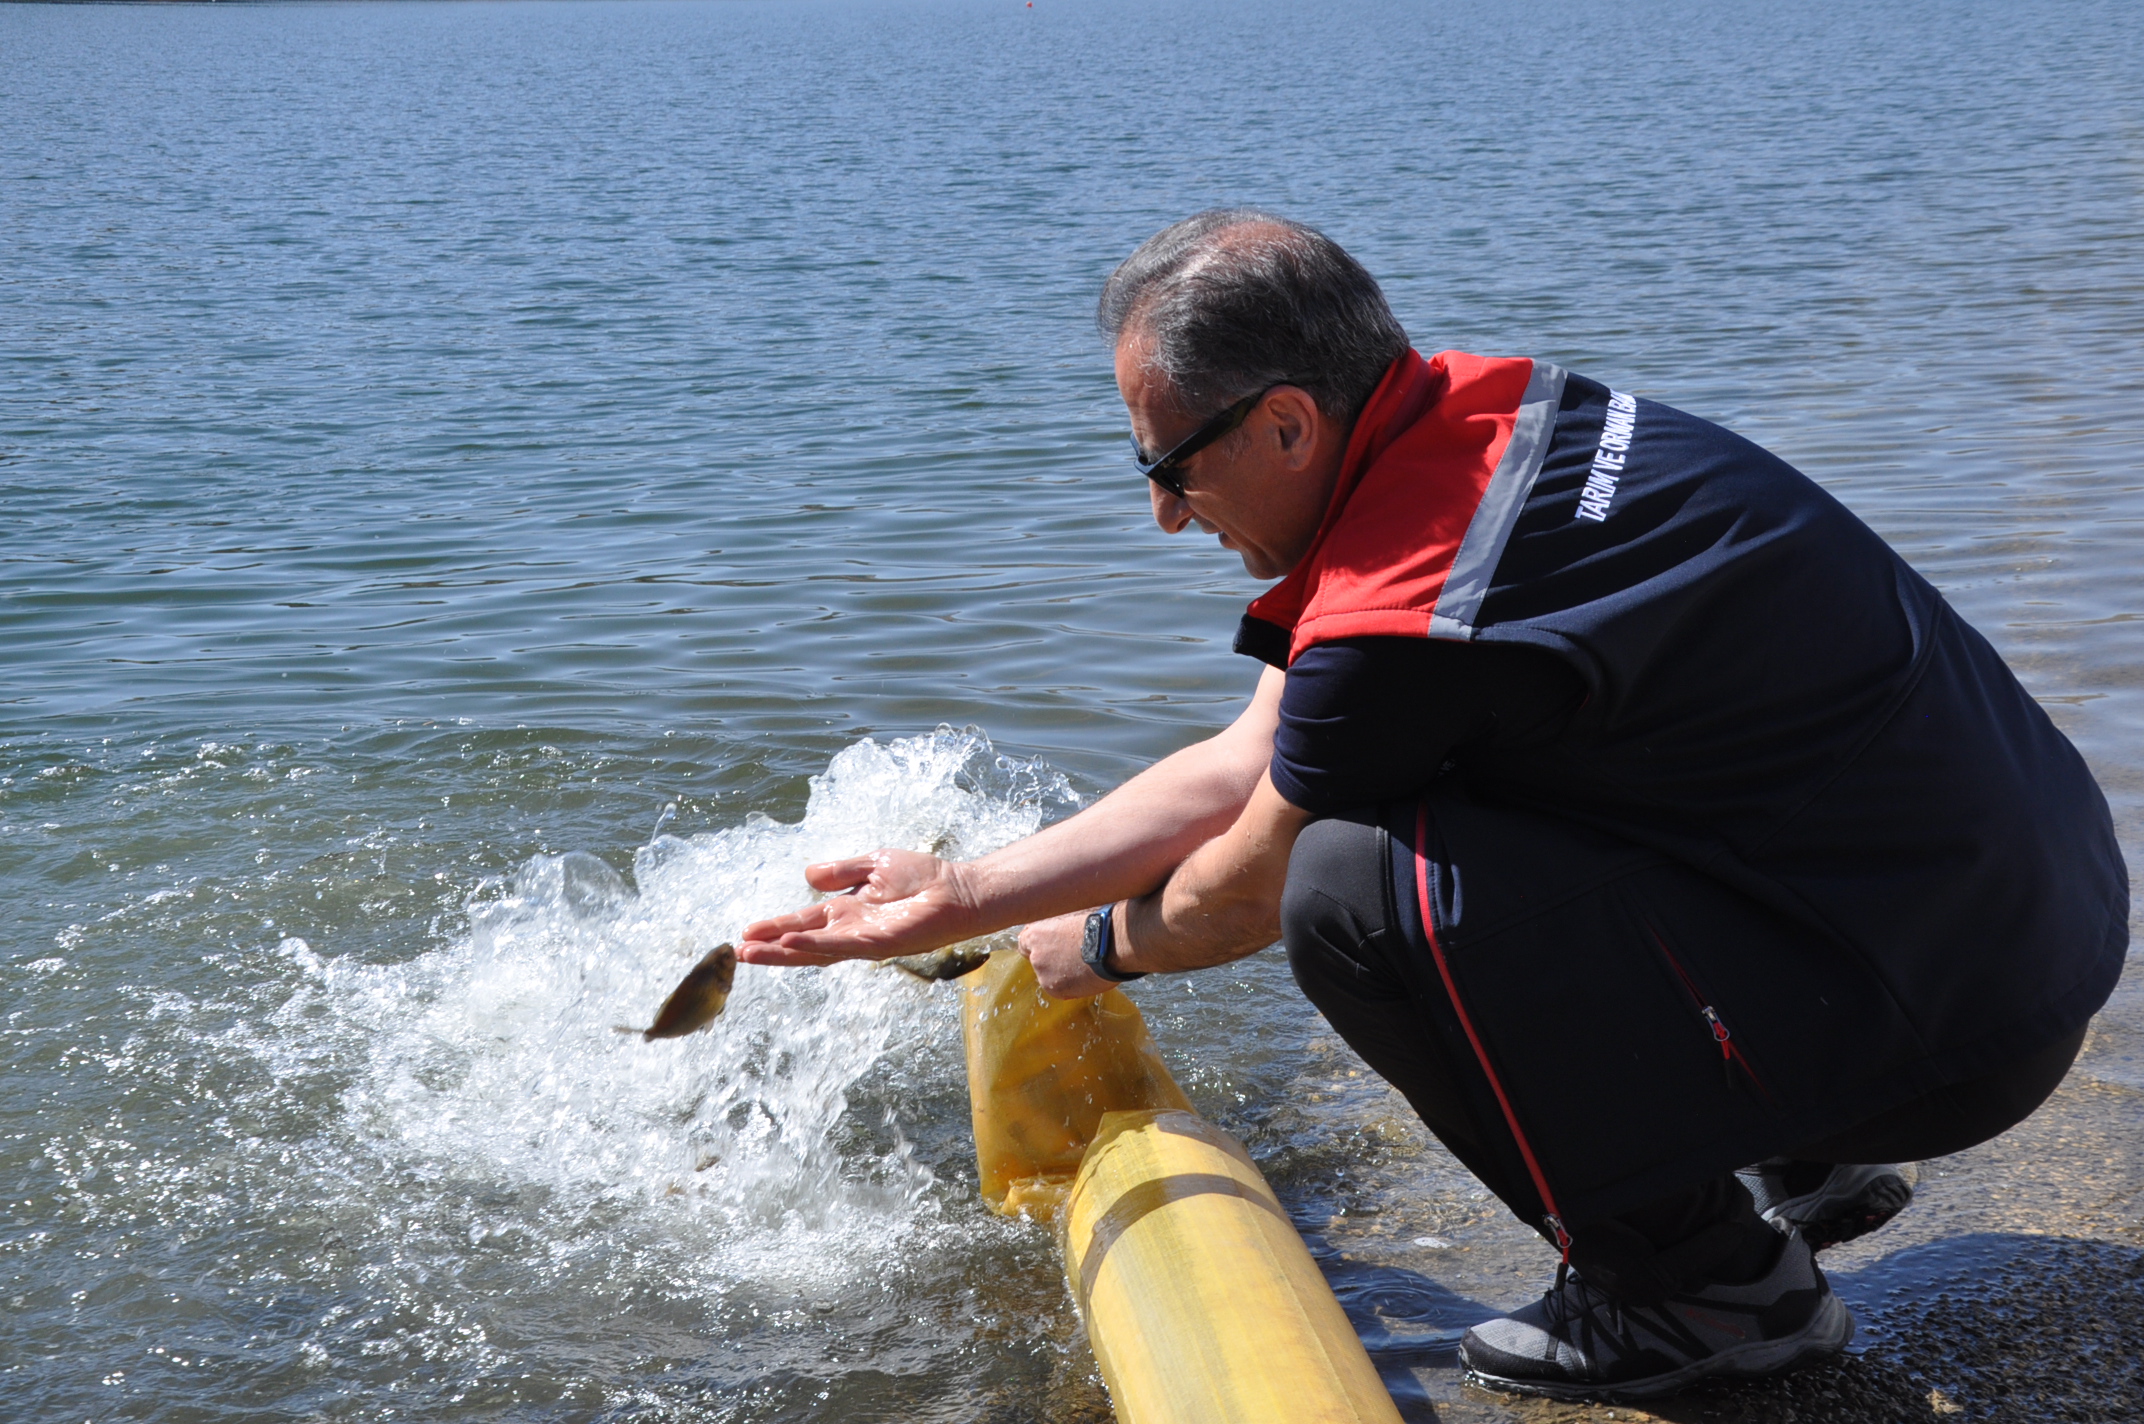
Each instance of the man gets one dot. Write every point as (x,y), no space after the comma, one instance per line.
(1621,798)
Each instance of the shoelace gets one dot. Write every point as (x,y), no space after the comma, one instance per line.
(1568,1300)
(1602,1317)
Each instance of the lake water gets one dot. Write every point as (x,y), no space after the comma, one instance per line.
(488,490)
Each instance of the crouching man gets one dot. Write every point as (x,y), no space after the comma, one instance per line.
(1621,798)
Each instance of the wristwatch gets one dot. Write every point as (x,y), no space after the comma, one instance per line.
(1099,940)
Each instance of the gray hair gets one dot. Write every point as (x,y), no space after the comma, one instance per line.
(1235,300)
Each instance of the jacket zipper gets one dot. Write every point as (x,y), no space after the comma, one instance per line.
(1554,1218)
(1731,1056)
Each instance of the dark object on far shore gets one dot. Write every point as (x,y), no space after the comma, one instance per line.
(698,999)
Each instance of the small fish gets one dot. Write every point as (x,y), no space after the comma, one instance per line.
(698,999)
(942,964)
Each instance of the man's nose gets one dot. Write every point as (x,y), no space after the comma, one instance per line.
(1170,512)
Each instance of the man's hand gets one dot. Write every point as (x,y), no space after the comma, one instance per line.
(892,902)
(1125,844)
(1052,946)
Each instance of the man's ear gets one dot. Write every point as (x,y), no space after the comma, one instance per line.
(1296,418)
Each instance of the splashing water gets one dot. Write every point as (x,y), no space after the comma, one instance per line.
(499,1054)
(430,1168)
(498,1057)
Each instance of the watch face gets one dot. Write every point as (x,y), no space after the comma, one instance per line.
(1091,945)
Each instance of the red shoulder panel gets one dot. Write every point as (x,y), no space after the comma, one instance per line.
(1416,467)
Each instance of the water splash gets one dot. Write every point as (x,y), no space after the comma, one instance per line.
(496,1058)
(421,1172)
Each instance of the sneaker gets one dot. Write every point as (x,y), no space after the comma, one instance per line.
(1823,1203)
(1578,1342)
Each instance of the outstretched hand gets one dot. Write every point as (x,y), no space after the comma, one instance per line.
(887,903)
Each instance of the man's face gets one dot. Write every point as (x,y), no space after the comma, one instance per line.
(1261,490)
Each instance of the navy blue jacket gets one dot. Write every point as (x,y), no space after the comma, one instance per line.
(1775,699)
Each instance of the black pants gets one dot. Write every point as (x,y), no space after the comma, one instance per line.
(1359,955)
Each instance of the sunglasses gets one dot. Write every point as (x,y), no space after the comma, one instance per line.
(1166,470)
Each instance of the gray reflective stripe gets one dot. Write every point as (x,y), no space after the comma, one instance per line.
(1490,529)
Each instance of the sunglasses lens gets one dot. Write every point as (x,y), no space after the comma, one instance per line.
(1161,469)
(1156,468)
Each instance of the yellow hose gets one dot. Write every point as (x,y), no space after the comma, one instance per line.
(1041,1072)
(1200,1300)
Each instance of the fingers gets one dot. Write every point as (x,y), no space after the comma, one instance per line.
(831,946)
(812,935)
(885,874)
(871,913)
(1053,946)
(825,933)
(1080,983)
(840,874)
(782,956)
(811,917)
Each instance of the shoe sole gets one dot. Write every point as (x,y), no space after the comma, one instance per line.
(1827,1334)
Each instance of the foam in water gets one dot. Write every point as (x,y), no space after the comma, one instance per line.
(494,1061)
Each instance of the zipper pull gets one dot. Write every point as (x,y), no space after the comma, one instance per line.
(1723,1038)
(1554,1223)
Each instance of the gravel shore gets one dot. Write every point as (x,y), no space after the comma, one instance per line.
(2056,1334)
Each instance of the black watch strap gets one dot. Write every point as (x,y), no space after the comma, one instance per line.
(1100,939)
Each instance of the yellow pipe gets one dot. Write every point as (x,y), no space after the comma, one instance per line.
(1200,1300)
